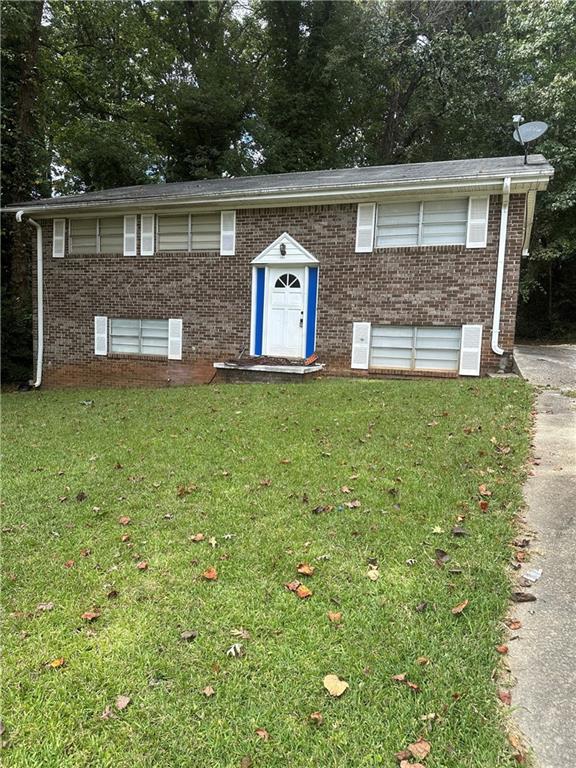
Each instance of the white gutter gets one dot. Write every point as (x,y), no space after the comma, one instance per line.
(39,299)
(496,348)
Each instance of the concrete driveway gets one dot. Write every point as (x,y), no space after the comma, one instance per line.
(542,656)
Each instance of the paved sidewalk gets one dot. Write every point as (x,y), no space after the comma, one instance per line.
(543,658)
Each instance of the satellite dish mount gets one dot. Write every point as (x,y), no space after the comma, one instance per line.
(527,133)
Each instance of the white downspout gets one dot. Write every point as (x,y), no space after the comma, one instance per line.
(39,298)
(496,348)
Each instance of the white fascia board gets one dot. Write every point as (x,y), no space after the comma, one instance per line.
(521,182)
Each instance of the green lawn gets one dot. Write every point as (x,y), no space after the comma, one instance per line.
(258,460)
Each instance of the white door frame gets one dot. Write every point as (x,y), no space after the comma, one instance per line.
(268,294)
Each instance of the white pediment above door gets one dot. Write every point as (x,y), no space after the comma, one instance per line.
(285,250)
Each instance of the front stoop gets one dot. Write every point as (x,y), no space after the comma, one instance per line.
(238,371)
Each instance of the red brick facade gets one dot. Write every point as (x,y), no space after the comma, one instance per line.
(428,285)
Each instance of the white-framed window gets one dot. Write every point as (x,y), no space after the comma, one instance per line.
(98,235)
(188,232)
(430,348)
(138,337)
(427,222)
(130,336)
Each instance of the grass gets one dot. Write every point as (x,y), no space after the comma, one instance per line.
(414,454)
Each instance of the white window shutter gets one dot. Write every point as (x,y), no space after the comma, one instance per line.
(100,335)
(227,233)
(58,238)
(147,234)
(175,339)
(470,350)
(477,222)
(365,227)
(130,235)
(360,345)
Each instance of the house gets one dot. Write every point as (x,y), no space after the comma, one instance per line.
(406,270)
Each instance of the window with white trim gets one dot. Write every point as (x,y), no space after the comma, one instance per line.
(138,337)
(188,232)
(428,222)
(101,235)
(430,348)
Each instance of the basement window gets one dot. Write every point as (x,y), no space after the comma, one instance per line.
(139,337)
(431,348)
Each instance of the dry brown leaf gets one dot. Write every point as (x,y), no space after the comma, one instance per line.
(285,461)
(505,697)
(483,490)
(122,702)
(142,565)
(108,713)
(125,537)
(210,574)
(502,649)
(335,686)
(197,537)
(305,569)
(69,564)
(246,762)
(460,607)
(422,660)
(352,504)
(420,749)
(407,764)
(265,482)
(373,574)
(57,663)
(316,718)
(90,615)
(513,624)
(346,489)
(124,520)
(335,616)
(303,592)
(292,586)
(262,733)
(44,607)
(208,691)
(483,505)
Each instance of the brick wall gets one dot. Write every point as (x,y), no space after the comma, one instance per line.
(446,285)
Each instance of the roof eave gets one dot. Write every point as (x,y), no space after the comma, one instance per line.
(520,182)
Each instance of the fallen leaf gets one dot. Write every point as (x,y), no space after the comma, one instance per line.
(483,490)
(285,461)
(197,537)
(142,565)
(235,650)
(335,686)
(262,733)
(316,718)
(352,504)
(184,490)
(241,632)
(124,520)
(265,482)
(292,586)
(422,660)
(212,541)
(303,592)
(208,691)
(45,607)
(57,663)
(345,489)
(442,557)
(125,537)
(373,573)
(459,531)
(335,616)
(421,607)
(513,624)
(81,496)
(90,615)
(502,649)
(210,574)
(122,702)
(402,755)
(460,607)
(188,635)
(246,762)
(407,764)
(401,678)
(420,749)
(305,569)
(69,564)
(522,597)
(85,551)
(112,594)
(483,505)
(108,713)
(505,697)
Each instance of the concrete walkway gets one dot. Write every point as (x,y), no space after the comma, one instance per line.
(543,657)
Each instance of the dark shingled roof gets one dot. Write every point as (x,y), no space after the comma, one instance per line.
(343,178)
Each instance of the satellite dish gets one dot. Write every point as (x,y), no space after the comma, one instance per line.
(527,133)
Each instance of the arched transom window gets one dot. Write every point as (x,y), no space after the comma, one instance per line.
(287,281)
